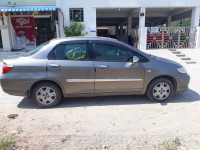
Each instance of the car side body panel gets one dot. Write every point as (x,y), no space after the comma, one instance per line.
(29,70)
(77,77)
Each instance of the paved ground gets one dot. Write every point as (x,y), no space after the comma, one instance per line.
(118,122)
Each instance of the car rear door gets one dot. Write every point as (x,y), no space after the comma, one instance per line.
(114,68)
(70,65)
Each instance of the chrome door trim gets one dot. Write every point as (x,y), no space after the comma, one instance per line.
(80,80)
(118,80)
(102,80)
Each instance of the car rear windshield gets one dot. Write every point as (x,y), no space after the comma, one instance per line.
(35,50)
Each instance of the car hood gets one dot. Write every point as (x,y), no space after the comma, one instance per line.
(164,60)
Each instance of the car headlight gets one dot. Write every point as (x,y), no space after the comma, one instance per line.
(182,70)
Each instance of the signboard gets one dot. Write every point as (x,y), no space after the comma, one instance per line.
(13,3)
(154,30)
(25,36)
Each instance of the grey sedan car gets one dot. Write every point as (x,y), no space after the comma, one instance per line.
(90,66)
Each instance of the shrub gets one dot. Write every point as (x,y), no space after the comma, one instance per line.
(75,29)
(7,143)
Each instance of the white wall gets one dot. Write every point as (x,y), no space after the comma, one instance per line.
(89,15)
(129,3)
(195,17)
(5,33)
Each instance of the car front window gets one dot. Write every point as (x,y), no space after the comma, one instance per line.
(105,52)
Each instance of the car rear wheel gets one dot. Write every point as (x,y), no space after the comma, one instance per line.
(46,94)
(160,90)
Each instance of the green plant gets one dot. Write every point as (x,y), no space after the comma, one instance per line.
(182,23)
(74,29)
(7,143)
(170,144)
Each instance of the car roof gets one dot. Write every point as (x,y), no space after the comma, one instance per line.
(84,38)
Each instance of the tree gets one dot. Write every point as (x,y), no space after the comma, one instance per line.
(182,23)
(75,29)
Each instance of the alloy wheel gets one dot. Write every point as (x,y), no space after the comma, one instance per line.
(46,95)
(161,91)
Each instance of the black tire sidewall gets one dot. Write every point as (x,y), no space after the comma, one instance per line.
(153,84)
(51,85)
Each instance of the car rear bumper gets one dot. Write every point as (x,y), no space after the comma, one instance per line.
(13,87)
(183,81)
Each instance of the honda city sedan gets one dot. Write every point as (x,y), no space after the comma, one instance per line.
(90,66)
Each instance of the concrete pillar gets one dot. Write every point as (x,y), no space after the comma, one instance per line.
(121,31)
(198,38)
(142,18)
(117,31)
(57,22)
(61,24)
(169,21)
(6,35)
(57,30)
(90,18)
(195,17)
(152,24)
(129,25)
(143,38)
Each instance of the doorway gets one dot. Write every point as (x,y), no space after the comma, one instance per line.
(45,30)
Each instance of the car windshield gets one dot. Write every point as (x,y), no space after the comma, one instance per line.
(35,50)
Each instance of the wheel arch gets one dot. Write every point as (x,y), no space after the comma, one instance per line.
(170,78)
(41,81)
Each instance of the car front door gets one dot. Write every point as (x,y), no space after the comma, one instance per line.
(70,65)
(114,69)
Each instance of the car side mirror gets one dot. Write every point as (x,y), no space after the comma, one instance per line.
(135,60)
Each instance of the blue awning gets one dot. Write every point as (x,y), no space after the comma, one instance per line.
(22,9)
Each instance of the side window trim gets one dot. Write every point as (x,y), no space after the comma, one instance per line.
(91,42)
(116,45)
(51,55)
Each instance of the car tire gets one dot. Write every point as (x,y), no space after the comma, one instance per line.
(160,90)
(46,94)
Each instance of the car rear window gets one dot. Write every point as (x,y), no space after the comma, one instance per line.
(35,50)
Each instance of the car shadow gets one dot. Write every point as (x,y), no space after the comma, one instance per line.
(186,97)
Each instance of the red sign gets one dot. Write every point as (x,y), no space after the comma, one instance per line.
(25,32)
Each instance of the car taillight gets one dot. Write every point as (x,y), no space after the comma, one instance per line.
(6,69)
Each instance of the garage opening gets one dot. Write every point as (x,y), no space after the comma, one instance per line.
(119,23)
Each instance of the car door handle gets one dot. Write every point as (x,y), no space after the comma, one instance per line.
(55,66)
(103,66)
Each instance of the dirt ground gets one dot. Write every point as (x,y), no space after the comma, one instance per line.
(114,123)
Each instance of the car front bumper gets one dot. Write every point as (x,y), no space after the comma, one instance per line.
(183,81)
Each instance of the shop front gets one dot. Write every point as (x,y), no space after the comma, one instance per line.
(29,24)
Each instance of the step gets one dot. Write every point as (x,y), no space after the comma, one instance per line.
(186,58)
(172,50)
(176,52)
(190,62)
(180,55)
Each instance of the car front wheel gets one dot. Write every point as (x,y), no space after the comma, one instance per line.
(46,94)
(160,90)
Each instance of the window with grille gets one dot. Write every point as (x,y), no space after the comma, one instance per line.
(76,14)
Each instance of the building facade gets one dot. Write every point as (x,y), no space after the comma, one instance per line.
(119,19)
(147,24)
